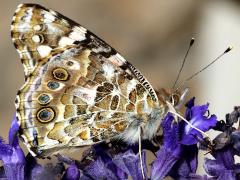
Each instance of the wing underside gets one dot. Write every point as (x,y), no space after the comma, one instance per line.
(78,90)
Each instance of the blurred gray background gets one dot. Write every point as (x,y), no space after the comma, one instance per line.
(154,36)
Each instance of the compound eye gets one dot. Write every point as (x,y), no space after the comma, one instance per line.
(45,115)
(175,98)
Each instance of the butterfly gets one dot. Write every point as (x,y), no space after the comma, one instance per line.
(78,90)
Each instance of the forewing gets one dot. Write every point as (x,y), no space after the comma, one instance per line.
(36,30)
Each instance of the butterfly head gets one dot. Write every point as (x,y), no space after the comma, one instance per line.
(174,97)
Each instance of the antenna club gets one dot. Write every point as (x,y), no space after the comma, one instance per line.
(192,41)
(228,49)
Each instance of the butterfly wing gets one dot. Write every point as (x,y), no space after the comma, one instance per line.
(36,30)
(78,90)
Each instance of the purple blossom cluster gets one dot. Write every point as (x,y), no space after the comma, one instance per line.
(176,157)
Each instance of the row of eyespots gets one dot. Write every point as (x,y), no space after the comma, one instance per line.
(47,114)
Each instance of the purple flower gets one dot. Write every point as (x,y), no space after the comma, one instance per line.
(33,170)
(196,116)
(50,170)
(12,155)
(223,166)
(117,166)
(72,173)
(179,151)
(99,170)
(235,141)
(17,167)
(129,163)
(163,164)
(176,158)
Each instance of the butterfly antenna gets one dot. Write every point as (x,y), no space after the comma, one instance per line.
(183,63)
(205,67)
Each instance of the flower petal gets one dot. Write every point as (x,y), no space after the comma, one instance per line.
(225,156)
(5,149)
(227,174)
(235,140)
(199,121)
(12,155)
(12,135)
(98,170)
(163,164)
(13,160)
(33,169)
(72,173)
(187,164)
(52,170)
(189,106)
(130,164)
(171,135)
(213,167)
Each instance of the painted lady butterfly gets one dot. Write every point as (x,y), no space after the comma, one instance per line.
(78,90)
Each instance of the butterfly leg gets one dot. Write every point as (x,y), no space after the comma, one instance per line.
(172,110)
(140,150)
(177,116)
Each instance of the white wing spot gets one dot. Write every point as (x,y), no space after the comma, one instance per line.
(108,70)
(131,85)
(19,8)
(117,59)
(14,18)
(80,29)
(37,27)
(53,12)
(48,17)
(65,41)
(44,50)
(77,35)
(12,27)
(29,14)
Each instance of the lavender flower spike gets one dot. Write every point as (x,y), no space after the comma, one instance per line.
(12,155)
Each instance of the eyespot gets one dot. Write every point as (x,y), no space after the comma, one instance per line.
(69,63)
(44,99)
(60,74)
(53,85)
(38,38)
(45,115)
(72,64)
